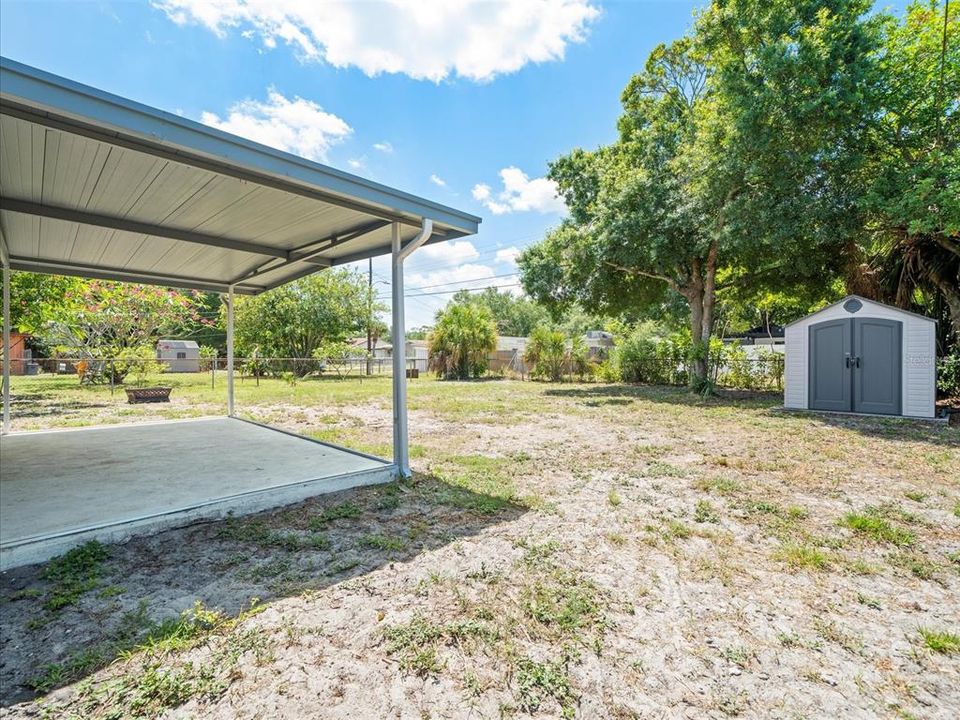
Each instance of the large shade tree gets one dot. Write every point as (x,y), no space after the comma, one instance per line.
(101,320)
(295,319)
(514,316)
(911,184)
(731,167)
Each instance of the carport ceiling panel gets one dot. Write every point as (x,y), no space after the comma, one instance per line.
(78,173)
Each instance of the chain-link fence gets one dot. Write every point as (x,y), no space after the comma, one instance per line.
(735,370)
(127,370)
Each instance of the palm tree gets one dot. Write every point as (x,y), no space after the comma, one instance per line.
(460,344)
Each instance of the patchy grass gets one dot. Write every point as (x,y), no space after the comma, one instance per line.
(478,483)
(940,641)
(676,529)
(415,644)
(150,682)
(343,511)
(389,543)
(137,633)
(871,524)
(704,512)
(798,555)
(562,603)
(721,485)
(258,532)
(73,574)
(539,681)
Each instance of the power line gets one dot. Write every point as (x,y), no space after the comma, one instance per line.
(422,303)
(453,292)
(461,282)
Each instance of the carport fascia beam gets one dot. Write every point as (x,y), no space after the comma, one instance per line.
(297,255)
(134,226)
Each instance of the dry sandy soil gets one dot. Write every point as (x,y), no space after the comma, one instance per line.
(564,551)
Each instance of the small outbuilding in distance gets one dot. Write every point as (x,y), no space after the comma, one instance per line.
(861,356)
(180,356)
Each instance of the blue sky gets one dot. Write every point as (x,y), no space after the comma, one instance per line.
(459,101)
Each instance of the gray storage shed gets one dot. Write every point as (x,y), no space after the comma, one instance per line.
(861,356)
(180,356)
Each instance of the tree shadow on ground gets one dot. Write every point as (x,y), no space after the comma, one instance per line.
(891,429)
(45,407)
(770,404)
(622,394)
(121,601)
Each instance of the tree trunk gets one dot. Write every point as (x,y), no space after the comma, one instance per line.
(951,294)
(701,293)
(709,294)
(698,366)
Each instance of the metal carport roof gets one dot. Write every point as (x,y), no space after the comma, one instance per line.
(96,185)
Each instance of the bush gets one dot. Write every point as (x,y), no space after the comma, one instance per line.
(608,371)
(208,357)
(547,353)
(948,373)
(637,355)
(461,343)
(139,362)
(771,365)
(580,362)
(255,366)
(648,355)
(340,355)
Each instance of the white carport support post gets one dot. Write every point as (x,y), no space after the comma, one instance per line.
(230,351)
(401,450)
(6,346)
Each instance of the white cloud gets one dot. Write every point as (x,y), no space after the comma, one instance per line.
(468,275)
(520,194)
(450,252)
(425,39)
(438,181)
(355,163)
(508,255)
(384,147)
(298,126)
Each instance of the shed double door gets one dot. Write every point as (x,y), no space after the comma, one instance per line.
(855,365)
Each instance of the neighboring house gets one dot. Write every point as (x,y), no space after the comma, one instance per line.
(599,343)
(509,354)
(506,343)
(179,355)
(380,349)
(760,335)
(20,354)
(416,353)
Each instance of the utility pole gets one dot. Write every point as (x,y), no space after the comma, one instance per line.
(369,315)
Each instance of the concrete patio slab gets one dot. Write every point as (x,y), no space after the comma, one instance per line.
(61,488)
